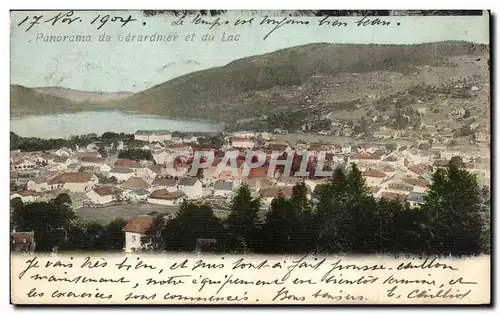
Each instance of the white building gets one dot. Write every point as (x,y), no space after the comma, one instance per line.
(75,181)
(160,183)
(104,195)
(374,177)
(153,136)
(38,184)
(121,174)
(64,152)
(135,231)
(223,188)
(192,187)
(164,197)
(246,143)
(28,196)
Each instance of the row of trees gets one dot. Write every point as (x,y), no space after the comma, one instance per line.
(341,217)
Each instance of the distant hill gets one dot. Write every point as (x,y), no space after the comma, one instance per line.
(24,100)
(258,85)
(82,96)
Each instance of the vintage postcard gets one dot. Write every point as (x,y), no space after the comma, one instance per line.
(250,157)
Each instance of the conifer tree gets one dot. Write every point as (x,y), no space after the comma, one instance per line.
(453,207)
(242,220)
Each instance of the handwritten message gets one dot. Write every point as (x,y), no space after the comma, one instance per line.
(229,26)
(171,279)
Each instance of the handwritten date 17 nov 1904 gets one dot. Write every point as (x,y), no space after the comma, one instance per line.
(69,17)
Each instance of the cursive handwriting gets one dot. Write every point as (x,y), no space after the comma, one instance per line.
(69,18)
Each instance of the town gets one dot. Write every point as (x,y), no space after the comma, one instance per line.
(131,171)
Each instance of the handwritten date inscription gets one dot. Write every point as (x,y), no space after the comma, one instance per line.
(247,279)
(69,18)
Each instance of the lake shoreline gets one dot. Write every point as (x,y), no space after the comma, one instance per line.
(65,125)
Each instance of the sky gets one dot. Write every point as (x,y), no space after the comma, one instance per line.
(134,66)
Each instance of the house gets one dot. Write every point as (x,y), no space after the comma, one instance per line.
(28,196)
(192,187)
(158,171)
(104,194)
(448,154)
(223,188)
(190,139)
(161,183)
(313,184)
(92,154)
(136,195)
(121,174)
(135,231)
(164,197)
(256,184)
(276,147)
(38,184)
(238,142)
(374,177)
(73,167)
(179,148)
(395,160)
(64,152)
(244,134)
(153,136)
(399,188)
(419,185)
(61,163)
(23,242)
(78,200)
(75,181)
(394,196)
(482,137)
(23,165)
(346,149)
(364,160)
(288,181)
(365,148)
(105,168)
(416,198)
(415,171)
(376,191)
(92,161)
(162,156)
(135,183)
(268,194)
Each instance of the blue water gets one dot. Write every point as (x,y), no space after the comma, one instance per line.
(68,124)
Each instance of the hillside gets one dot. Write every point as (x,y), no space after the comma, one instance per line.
(259,85)
(25,100)
(82,96)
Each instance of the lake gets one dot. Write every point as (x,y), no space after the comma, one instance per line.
(67,124)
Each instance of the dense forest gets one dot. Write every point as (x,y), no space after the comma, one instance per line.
(341,217)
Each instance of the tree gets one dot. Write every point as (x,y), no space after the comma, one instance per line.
(103,152)
(193,221)
(114,235)
(282,227)
(135,154)
(453,207)
(16,204)
(63,198)
(153,237)
(242,220)
(49,220)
